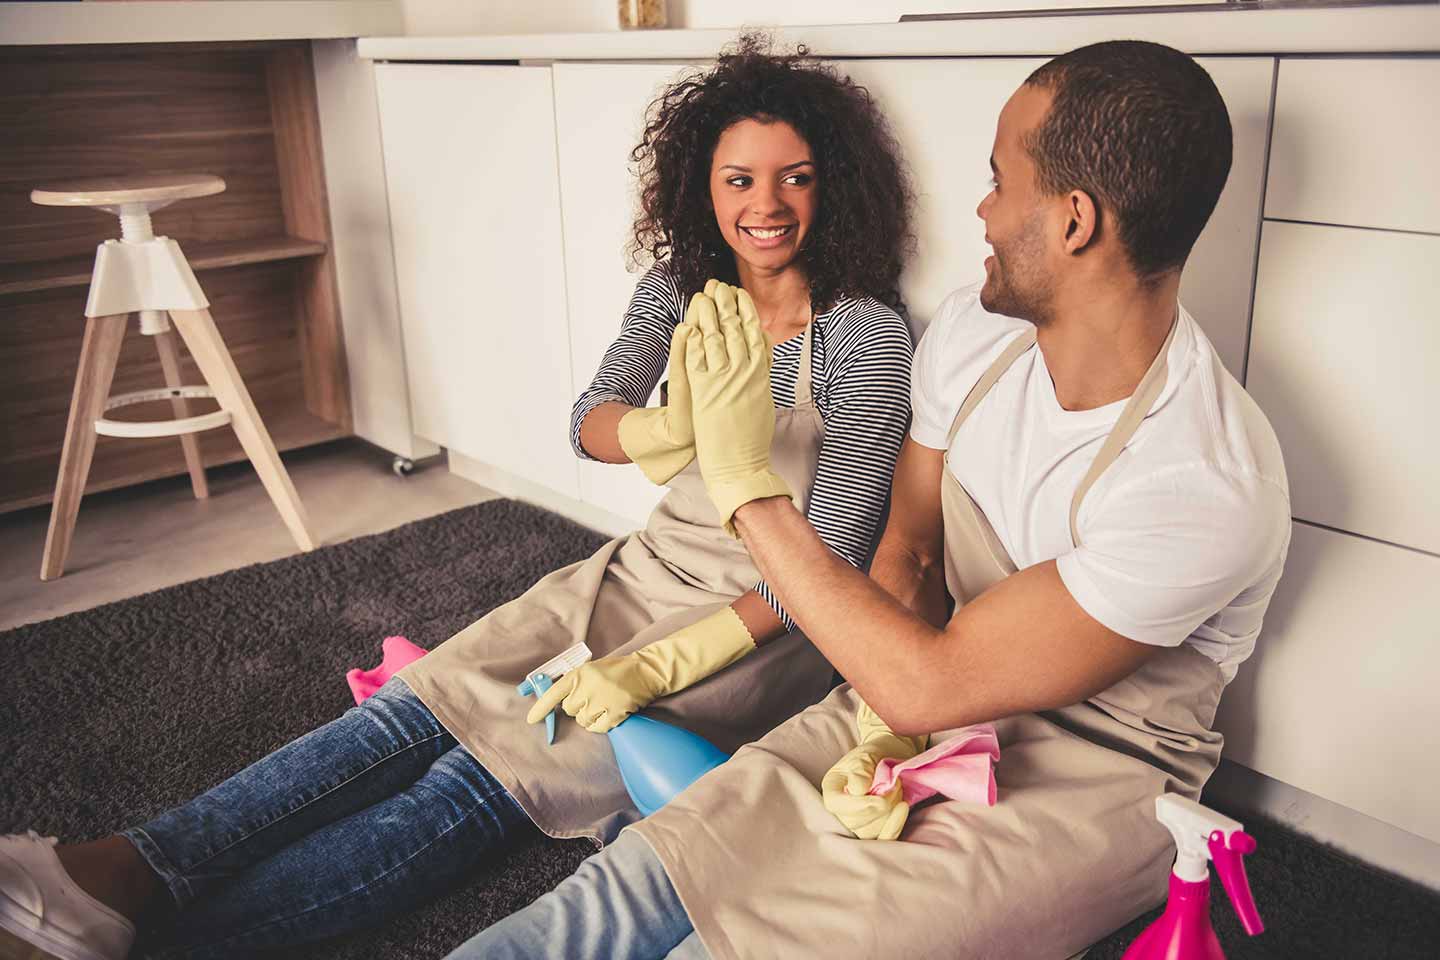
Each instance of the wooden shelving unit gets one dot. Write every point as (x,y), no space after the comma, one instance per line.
(75,271)
(261,250)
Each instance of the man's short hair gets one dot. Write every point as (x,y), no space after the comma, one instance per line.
(1141,128)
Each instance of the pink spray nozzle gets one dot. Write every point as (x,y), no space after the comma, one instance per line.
(1230,864)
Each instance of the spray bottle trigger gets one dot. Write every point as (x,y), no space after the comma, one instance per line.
(1229,860)
(537,684)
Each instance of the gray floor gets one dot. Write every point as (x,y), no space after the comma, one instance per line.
(129,542)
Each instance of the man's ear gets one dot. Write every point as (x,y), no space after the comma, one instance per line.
(1082,221)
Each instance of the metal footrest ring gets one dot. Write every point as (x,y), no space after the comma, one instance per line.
(160,428)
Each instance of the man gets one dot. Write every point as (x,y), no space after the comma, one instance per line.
(1106,507)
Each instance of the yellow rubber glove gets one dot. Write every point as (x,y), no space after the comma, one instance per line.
(601,693)
(728,360)
(661,440)
(844,789)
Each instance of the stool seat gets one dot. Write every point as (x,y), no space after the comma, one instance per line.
(152,190)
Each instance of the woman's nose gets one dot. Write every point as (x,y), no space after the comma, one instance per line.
(766,202)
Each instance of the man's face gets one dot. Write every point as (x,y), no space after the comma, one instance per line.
(1018,277)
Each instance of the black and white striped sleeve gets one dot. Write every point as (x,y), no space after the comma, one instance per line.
(866,410)
(636,361)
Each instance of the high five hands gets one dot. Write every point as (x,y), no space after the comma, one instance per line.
(720,409)
(727,363)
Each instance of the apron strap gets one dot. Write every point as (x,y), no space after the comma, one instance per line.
(804,394)
(1129,421)
(987,380)
(1146,392)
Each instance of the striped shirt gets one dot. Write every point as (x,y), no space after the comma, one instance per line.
(860,383)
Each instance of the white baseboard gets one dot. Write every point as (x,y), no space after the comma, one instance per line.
(1238,790)
(507,484)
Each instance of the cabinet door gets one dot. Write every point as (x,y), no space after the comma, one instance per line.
(1345,343)
(1339,697)
(599,114)
(944,114)
(475,213)
(1355,143)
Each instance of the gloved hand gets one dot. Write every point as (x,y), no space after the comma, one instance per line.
(661,440)
(602,693)
(845,787)
(728,360)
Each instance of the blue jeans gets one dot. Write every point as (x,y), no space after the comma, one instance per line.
(619,905)
(360,820)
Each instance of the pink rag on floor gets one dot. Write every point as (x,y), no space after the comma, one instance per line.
(960,768)
(397,652)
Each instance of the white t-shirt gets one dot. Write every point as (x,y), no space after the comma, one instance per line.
(1182,539)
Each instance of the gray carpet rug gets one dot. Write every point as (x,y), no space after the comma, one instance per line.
(111,715)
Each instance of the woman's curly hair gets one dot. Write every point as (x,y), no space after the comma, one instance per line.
(861,234)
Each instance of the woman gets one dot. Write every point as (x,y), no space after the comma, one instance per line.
(767,172)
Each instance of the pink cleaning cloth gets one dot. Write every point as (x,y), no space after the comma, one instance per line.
(960,768)
(397,653)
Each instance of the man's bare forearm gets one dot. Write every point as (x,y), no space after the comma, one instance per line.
(918,584)
(871,637)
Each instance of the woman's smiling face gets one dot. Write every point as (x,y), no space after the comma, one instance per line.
(763,189)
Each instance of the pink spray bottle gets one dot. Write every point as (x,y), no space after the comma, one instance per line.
(1183,931)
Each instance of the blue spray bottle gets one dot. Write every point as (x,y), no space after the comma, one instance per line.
(656,760)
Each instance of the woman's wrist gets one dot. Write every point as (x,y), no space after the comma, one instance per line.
(759,617)
(600,432)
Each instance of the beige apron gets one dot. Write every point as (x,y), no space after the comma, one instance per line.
(633,591)
(1071,852)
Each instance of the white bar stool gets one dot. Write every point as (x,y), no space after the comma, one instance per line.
(145,274)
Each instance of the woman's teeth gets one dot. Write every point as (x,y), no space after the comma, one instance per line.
(760,233)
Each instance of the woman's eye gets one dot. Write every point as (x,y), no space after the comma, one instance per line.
(739,182)
(799,179)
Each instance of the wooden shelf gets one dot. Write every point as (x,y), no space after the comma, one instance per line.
(75,271)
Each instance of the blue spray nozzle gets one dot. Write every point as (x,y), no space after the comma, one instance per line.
(543,677)
(537,684)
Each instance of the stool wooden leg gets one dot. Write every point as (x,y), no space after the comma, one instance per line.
(98,354)
(198,329)
(169,349)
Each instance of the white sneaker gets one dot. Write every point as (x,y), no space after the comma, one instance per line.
(45,916)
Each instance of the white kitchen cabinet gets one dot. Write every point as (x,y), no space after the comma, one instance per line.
(599,114)
(1339,697)
(944,114)
(362,246)
(1356,142)
(1343,361)
(475,213)
(1219,280)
